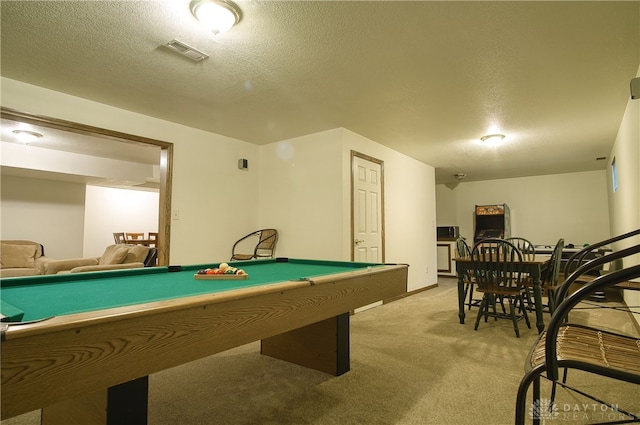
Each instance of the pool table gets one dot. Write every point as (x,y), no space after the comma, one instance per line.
(81,346)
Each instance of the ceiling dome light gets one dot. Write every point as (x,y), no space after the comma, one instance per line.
(216,15)
(492,138)
(26,136)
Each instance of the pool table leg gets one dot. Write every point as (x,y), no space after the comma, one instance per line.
(126,403)
(322,346)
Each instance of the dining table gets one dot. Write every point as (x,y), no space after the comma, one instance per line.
(145,242)
(534,268)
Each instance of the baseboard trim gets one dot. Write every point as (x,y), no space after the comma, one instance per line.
(408,294)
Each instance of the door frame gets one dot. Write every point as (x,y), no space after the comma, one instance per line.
(380,162)
(166,163)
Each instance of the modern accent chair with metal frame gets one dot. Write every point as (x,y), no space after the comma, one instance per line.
(587,253)
(590,252)
(572,341)
(266,240)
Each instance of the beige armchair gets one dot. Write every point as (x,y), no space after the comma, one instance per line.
(115,257)
(21,258)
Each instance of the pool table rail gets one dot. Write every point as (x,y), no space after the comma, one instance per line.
(74,356)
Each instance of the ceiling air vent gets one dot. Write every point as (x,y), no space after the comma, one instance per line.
(188,51)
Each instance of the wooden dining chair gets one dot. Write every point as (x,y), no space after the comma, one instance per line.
(153,239)
(464,251)
(497,267)
(134,235)
(526,248)
(119,237)
(528,251)
(551,276)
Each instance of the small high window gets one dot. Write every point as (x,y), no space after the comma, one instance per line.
(614,175)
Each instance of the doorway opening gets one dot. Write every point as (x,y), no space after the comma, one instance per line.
(103,140)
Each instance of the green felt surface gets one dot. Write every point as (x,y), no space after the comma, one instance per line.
(45,296)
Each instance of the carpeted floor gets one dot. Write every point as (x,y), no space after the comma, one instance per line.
(411,363)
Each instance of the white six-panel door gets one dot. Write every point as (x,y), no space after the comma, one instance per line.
(368,223)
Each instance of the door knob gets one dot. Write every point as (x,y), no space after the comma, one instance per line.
(358,241)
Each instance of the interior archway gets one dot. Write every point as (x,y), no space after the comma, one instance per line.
(109,136)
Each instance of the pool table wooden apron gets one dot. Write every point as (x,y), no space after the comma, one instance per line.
(93,367)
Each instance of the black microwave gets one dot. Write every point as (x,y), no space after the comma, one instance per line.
(451,232)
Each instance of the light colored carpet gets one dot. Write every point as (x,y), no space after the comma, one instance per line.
(411,363)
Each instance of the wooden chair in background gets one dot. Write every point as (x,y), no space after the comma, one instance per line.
(526,248)
(119,237)
(153,239)
(131,236)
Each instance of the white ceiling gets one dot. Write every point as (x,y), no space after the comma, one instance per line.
(81,143)
(78,158)
(426,78)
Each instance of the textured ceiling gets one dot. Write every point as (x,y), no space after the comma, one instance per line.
(424,78)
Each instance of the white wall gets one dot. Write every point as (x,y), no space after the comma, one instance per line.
(572,206)
(301,187)
(305,192)
(581,207)
(217,202)
(44,211)
(624,205)
(410,208)
(625,202)
(109,210)
(301,195)
(72,220)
